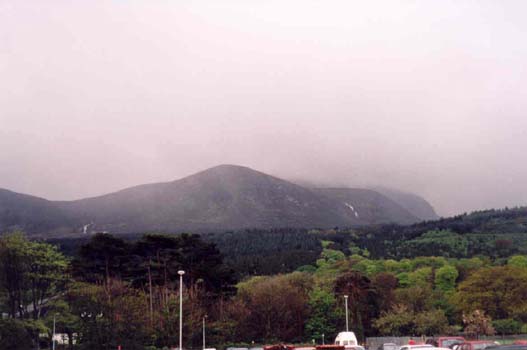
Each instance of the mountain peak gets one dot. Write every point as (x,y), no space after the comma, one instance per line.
(228,168)
(224,197)
(229,174)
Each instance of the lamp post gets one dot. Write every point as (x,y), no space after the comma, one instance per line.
(323,342)
(204,317)
(181,273)
(346,303)
(53,336)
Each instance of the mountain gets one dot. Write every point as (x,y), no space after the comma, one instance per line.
(415,204)
(225,197)
(221,198)
(369,207)
(33,214)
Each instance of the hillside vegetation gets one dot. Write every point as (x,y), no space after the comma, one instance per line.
(493,234)
(132,287)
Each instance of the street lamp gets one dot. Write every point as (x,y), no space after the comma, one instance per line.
(53,336)
(323,342)
(181,273)
(204,317)
(346,303)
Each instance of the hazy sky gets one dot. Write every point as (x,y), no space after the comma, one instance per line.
(426,96)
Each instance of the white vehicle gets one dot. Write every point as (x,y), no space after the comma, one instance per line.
(388,346)
(357,347)
(347,339)
(417,347)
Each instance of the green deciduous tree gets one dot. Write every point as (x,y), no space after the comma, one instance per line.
(384,285)
(66,321)
(103,258)
(416,299)
(468,266)
(420,277)
(445,278)
(13,272)
(46,274)
(437,242)
(330,256)
(430,322)
(30,274)
(397,322)
(323,316)
(278,305)
(501,292)
(362,299)
(507,326)
(110,315)
(401,321)
(518,261)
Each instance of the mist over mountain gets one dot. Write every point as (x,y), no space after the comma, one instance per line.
(226,197)
(32,214)
(370,207)
(415,204)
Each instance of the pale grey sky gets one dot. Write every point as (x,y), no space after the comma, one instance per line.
(425,96)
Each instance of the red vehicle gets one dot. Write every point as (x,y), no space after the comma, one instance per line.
(476,345)
(445,342)
(293,347)
(330,347)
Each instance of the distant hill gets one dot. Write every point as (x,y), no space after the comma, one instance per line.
(415,204)
(493,233)
(225,197)
(369,207)
(33,214)
(496,234)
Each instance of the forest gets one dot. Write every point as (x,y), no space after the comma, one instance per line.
(465,275)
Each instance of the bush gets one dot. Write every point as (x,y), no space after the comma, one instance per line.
(507,326)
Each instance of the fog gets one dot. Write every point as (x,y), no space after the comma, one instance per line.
(423,96)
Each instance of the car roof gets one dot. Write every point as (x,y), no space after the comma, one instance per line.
(448,337)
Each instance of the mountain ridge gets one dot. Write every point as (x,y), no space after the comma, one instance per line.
(225,197)
(415,204)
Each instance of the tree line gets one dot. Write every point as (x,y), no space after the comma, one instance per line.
(497,234)
(114,292)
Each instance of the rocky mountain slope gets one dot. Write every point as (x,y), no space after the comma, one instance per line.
(225,197)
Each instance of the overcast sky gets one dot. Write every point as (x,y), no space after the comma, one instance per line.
(424,96)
